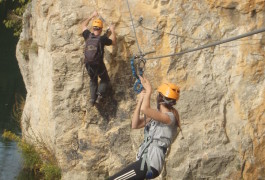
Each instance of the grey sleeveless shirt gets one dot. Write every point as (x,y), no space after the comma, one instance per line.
(162,138)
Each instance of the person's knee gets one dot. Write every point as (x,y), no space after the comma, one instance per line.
(104,83)
(93,82)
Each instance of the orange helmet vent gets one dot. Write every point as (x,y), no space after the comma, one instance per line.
(169,90)
(97,23)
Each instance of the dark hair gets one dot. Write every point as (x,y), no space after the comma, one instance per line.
(168,103)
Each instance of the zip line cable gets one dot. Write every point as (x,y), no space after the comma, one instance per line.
(141,63)
(185,51)
(193,49)
(188,50)
(140,21)
(134,28)
(212,44)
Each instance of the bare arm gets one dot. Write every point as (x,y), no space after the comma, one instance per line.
(113,35)
(147,110)
(137,121)
(85,23)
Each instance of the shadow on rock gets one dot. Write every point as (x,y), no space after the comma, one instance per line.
(108,107)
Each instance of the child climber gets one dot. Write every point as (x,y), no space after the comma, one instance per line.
(160,129)
(94,55)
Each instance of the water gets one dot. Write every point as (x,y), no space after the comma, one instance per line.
(11,83)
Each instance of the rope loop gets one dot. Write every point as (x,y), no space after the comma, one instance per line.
(138,87)
(139,71)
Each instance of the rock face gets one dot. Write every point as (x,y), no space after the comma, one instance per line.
(222,103)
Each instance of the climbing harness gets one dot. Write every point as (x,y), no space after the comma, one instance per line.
(148,139)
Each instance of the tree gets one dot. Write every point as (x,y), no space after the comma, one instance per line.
(14,16)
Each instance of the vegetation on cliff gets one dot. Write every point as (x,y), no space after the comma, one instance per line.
(13,12)
(37,159)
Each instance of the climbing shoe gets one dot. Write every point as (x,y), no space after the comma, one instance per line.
(91,102)
(99,99)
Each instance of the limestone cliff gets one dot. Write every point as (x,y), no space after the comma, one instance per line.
(222,103)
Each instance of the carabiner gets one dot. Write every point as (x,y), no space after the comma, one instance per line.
(138,87)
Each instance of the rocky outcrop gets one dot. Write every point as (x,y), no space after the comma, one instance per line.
(222,99)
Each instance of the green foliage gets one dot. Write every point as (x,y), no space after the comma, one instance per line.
(11,136)
(51,171)
(37,160)
(31,158)
(14,17)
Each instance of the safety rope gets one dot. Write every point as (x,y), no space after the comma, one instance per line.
(211,44)
(141,61)
(140,52)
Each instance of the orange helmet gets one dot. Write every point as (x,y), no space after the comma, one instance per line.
(97,23)
(169,90)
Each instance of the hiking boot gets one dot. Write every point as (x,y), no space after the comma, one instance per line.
(91,103)
(99,99)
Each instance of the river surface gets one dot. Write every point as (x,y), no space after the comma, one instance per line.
(11,84)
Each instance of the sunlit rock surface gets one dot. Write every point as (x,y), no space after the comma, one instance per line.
(222,99)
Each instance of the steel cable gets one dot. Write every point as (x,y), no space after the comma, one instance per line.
(139,49)
(211,44)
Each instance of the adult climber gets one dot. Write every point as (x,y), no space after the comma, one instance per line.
(160,127)
(94,55)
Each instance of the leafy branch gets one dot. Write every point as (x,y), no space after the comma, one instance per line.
(14,18)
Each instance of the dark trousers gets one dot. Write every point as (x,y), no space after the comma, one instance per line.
(133,172)
(95,71)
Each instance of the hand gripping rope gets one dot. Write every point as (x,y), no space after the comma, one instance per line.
(141,63)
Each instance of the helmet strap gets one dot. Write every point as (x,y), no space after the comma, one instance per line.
(163,100)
